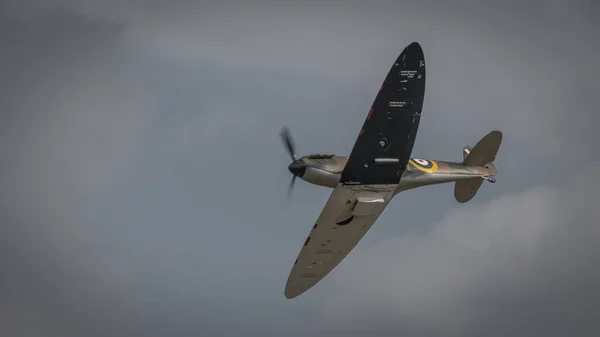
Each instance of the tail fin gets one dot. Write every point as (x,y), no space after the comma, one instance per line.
(483,154)
(466,151)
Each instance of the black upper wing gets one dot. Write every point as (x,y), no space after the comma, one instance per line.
(386,139)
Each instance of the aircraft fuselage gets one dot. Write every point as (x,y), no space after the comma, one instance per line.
(326,170)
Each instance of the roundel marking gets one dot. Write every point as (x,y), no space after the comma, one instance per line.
(428,166)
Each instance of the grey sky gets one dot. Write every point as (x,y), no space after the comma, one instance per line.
(142,180)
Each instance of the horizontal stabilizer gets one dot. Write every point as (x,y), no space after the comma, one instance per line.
(465,190)
(485,151)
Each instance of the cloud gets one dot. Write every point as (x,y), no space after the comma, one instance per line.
(522,264)
(489,66)
(17,320)
(73,116)
(482,75)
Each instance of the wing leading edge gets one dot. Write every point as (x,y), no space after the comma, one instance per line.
(371,175)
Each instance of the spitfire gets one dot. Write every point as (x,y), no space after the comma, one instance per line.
(378,168)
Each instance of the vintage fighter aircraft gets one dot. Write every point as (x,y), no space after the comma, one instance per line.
(378,168)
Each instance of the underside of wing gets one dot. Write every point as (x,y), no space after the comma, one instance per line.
(385,142)
(347,216)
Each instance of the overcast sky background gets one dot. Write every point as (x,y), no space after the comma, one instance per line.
(142,178)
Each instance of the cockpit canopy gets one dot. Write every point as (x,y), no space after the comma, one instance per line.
(319,156)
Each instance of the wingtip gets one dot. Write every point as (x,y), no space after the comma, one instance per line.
(414,45)
(413,50)
(293,292)
(289,293)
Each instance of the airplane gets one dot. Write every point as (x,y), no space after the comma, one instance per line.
(378,168)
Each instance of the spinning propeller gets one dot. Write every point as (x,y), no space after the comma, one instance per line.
(297,167)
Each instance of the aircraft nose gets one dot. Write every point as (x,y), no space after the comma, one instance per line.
(297,168)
